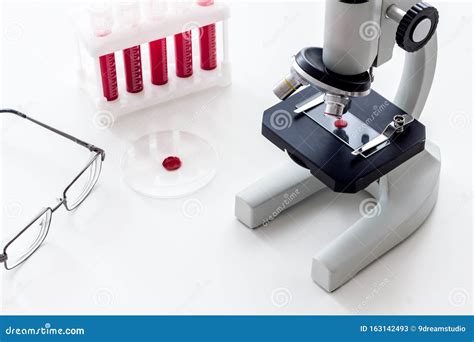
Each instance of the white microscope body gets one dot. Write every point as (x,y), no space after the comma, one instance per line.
(360,35)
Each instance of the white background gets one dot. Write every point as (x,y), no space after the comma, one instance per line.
(122,253)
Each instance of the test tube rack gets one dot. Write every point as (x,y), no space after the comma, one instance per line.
(91,47)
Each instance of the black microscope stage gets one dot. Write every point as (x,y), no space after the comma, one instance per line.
(326,156)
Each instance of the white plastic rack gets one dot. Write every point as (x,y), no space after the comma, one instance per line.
(91,47)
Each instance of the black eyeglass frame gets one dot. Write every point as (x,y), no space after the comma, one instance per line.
(99,153)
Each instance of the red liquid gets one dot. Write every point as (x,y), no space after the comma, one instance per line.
(158,62)
(132,61)
(172,163)
(183,50)
(340,123)
(108,74)
(207,47)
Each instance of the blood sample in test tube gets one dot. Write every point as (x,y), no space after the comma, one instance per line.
(132,61)
(129,12)
(207,41)
(183,48)
(158,61)
(157,48)
(102,21)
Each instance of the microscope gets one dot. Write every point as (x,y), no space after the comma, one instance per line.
(343,135)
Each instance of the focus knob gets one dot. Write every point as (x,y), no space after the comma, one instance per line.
(417,26)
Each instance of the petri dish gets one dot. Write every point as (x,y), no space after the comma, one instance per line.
(143,170)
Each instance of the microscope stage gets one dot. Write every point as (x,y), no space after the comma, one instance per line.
(312,143)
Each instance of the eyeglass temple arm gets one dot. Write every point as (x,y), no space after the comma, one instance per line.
(90,147)
(3,257)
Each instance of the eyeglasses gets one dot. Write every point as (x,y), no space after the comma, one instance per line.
(30,238)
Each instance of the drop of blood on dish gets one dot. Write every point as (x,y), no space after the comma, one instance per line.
(340,123)
(171,163)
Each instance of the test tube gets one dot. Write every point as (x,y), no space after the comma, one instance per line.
(207,41)
(183,48)
(129,14)
(157,48)
(101,18)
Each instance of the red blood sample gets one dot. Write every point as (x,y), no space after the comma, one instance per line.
(158,62)
(171,163)
(183,50)
(340,123)
(207,47)
(109,76)
(132,61)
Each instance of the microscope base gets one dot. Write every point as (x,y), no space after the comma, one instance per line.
(279,190)
(397,212)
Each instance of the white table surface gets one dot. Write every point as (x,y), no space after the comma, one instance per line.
(122,253)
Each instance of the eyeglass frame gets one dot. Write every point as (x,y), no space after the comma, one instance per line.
(63,200)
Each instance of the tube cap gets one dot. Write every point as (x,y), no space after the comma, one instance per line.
(205,2)
(156,9)
(101,17)
(128,12)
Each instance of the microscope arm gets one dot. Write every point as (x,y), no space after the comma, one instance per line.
(417,78)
